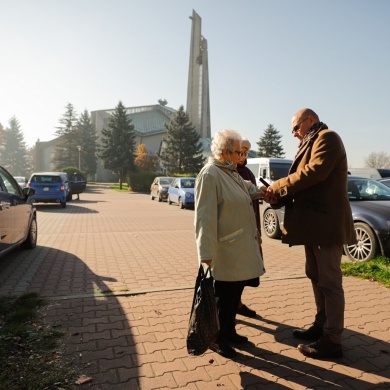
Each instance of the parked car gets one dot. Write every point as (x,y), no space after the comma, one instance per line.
(385,181)
(370,204)
(181,191)
(21,180)
(384,172)
(159,188)
(18,218)
(77,185)
(50,187)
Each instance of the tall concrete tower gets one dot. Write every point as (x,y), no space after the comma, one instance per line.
(198,98)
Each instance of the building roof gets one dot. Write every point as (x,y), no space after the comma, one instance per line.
(147,120)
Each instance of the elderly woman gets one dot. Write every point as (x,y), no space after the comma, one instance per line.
(226,232)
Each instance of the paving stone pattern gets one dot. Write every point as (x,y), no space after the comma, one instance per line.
(120,270)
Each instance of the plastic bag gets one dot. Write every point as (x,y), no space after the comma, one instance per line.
(203,325)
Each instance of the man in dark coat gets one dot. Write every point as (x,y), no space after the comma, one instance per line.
(318,216)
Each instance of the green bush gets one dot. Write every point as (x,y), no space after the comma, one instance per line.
(141,182)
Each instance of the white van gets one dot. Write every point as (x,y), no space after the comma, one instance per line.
(269,168)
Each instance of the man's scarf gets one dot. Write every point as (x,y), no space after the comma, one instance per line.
(312,132)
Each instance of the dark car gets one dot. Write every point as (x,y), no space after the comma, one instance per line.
(181,191)
(370,204)
(77,185)
(50,187)
(18,218)
(384,172)
(159,188)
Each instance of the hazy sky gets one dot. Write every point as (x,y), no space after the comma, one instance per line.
(267,59)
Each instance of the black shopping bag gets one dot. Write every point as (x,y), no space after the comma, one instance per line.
(203,325)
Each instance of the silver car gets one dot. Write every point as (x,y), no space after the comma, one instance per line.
(159,188)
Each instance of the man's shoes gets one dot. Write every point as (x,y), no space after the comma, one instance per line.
(238,339)
(312,333)
(224,350)
(245,311)
(323,348)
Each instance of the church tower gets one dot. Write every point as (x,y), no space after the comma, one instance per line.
(198,98)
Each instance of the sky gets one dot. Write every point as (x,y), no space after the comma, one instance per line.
(267,60)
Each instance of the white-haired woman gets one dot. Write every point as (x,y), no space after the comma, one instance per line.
(226,232)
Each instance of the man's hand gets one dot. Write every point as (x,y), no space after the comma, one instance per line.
(269,196)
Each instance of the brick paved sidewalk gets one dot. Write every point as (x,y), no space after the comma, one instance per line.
(138,342)
(121,268)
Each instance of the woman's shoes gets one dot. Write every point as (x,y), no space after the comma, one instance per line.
(245,311)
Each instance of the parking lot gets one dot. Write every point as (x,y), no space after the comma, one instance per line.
(121,268)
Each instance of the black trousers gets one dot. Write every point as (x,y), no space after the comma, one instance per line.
(228,294)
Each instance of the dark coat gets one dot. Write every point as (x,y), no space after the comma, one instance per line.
(247,174)
(315,194)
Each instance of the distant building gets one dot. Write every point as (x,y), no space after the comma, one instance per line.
(149,121)
(43,155)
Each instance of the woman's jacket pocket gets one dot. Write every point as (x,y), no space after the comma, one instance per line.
(232,236)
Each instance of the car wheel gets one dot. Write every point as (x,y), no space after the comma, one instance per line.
(271,224)
(181,204)
(366,247)
(169,200)
(63,204)
(31,240)
(159,197)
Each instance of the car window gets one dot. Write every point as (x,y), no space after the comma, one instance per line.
(189,183)
(46,179)
(165,181)
(10,185)
(366,189)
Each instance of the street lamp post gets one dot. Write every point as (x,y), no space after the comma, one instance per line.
(79,148)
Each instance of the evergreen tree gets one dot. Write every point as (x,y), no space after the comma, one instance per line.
(14,155)
(144,161)
(118,144)
(66,152)
(182,151)
(88,143)
(2,140)
(269,144)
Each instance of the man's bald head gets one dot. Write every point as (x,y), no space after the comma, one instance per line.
(302,121)
(305,112)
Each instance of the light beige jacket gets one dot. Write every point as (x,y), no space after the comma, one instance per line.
(225,228)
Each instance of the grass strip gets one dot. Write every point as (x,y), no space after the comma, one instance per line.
(377,270)
(29,348)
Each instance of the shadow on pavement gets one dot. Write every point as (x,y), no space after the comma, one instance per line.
(359,351)
(70,208)
(98,335)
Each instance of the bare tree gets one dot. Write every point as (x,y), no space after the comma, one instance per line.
(378,160)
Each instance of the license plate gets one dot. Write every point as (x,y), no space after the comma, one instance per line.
(45,188)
